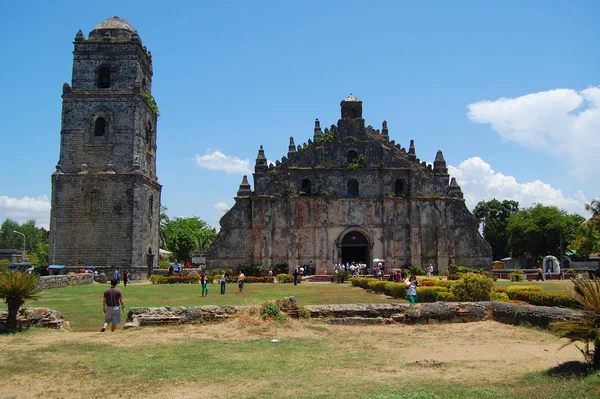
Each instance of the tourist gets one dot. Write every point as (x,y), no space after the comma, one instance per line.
(110,306)
(270,274)
(296,276)
(540,274)
(171,269)
(429,270)
(241,279)
(117,276)
(125,277)
(412,289)
(204,282)
(223,282)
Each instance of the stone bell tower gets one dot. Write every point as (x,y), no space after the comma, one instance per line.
(105,194)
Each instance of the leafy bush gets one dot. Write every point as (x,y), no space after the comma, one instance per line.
(428,294)
(445,296)
(4,263)
(395,290)
(500,296)
(164,263)
(520,288)
(377,285)
(427,282)
(416,270)
(342,276)
(361,282)
(272,310)
(453,277)
(456,269)
(264,279)
(157,279)
(516,276)
(286,278)
(444,283)
(473,287)
(543,298)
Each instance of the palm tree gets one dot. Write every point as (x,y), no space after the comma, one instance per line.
(594,207)
(15,289)
(588,328)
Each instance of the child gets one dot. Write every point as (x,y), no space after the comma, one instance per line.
(412,289)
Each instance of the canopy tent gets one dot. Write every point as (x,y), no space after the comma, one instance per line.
(163,252)
(56,267)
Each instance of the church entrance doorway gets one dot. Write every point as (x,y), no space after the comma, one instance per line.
(355,248)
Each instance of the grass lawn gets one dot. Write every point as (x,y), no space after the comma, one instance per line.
(82,305)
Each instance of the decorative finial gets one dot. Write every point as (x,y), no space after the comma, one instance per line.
(79,37)
(439,165)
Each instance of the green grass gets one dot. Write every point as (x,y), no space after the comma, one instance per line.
(82,305)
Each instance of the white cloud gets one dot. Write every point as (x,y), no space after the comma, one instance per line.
(480,182)
(216,160)
(222,207)
(25,209)
(561,122)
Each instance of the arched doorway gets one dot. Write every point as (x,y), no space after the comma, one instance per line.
(355,248)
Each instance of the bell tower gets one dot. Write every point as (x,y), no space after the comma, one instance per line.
(105,193)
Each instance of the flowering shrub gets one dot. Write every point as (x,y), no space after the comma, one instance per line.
(520,288)
(453,276)
(427,282)
(254,279)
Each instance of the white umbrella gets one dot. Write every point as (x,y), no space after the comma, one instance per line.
(376,260)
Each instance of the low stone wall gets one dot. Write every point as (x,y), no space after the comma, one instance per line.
(424,313)
(64,280)
(32,316)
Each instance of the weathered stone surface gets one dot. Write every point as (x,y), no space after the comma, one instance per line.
(64,280)
(351,195)
(105,193)
(539,316)
(33,316)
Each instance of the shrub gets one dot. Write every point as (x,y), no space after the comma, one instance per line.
(157,279)
(15,289)
(416,270)
(453,277)
(516,276)
(456,269)
(377,285)
(520,288)
(341,276)
(164,263)
(428,294)
(427,282)
(500,297)
(444,283)
(445,296)
(473,287)
(263,279)
(272,310)
(361,282)
(286,278)
(4,263)
(543,298)
(395,290)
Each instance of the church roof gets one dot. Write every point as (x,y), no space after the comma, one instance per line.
(114,23)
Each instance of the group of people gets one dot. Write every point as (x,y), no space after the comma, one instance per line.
(126,276)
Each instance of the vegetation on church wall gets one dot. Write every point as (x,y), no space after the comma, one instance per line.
(151,102)
(325,139)
(360,162)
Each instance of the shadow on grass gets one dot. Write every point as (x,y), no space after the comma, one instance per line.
(572,369)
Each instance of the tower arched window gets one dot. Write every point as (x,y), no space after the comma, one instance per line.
(352,188)
(100,127)
(400,187)
(103,78)
(352,156)
(306,187)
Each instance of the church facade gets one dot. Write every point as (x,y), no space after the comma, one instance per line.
(105,193)
(349,195)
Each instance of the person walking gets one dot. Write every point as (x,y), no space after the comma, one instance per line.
(223,282)
(540,274)
(241,279)
(204,282)
(296,276)
(412,289)
(117,276)
(110,306)
(125,277)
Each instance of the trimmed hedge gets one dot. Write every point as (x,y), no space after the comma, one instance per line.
(543,298)
(473,288)
(429,294)
(522,288)
(444,283)
(284,278)
(157,279)
(377,285)
(395,290)
(361,282)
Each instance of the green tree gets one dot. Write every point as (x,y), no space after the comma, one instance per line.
(537,231)
(184,235)
(15,289)
(594,207)
(587,238)
(494,216)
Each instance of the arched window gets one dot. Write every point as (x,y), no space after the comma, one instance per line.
(352,188)
(103,78)
(151,205)
(306,187)
(100,127)
(400,187)
(352,156)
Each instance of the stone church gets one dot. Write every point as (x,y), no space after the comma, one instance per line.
(349,194)
(105,193)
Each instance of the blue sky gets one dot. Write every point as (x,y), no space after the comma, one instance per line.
(509,91)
